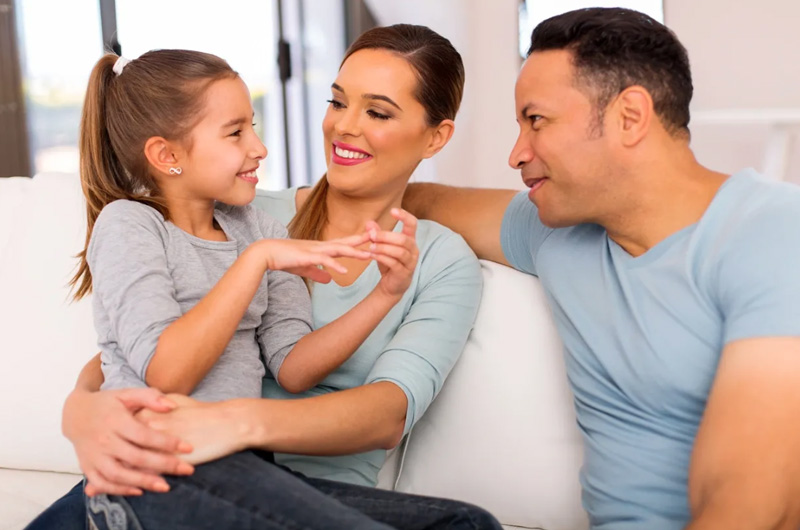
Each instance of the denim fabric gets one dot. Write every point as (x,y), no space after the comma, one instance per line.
(245,491)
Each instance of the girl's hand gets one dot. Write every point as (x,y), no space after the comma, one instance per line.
(303,257)
(396,253)
(213,429)
(118,454)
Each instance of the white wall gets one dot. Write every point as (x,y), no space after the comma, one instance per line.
(486,36)
(743,55)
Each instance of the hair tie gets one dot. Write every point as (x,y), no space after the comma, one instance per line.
(120,64)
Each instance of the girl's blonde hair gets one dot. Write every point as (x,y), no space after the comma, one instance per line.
(158,94)
(440,86)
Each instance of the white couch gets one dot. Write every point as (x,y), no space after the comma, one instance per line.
(502,433)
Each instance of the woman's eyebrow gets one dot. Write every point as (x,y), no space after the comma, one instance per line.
(380,97)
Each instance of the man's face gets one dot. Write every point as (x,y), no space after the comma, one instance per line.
(564,156)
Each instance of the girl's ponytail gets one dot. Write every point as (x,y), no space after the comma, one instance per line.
(101,172)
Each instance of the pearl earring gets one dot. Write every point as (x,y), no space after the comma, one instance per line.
(175,171)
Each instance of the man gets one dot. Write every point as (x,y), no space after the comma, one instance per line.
(676,289)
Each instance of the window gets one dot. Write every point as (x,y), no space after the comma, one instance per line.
(57,57)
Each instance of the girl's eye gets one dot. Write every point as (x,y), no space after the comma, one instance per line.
(335,104)
(237,132)
(377,115)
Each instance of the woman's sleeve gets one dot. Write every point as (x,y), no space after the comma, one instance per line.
(433,334)
(131,283)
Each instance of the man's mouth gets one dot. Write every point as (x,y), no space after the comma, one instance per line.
(534,184)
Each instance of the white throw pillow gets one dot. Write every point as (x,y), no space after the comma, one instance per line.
(502,433)
(45,339)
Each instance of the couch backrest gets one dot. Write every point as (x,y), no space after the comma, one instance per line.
(501,434)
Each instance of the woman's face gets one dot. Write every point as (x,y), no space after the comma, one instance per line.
(375,130)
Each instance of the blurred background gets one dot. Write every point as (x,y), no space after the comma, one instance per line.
(746,109)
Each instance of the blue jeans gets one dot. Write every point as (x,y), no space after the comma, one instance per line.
(245,491)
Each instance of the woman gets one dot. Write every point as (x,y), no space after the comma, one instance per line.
(392,105)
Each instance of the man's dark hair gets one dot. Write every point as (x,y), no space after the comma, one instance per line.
(615,48)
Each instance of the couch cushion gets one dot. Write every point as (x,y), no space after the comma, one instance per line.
(45,339)
(25,494)
(502,433)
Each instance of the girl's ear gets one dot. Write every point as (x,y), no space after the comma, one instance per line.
(161,154)
(439,138)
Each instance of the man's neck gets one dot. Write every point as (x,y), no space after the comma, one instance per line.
(663,200)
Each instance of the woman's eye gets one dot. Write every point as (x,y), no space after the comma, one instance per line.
(377,115)
(335,104)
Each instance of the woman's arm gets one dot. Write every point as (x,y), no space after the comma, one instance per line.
(321,352)
(402,384)
(346,422)
(104,432)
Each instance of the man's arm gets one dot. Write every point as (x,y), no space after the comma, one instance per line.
(475,213)
(745,468)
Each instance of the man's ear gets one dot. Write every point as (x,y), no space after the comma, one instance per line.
(635,113)
(161,154)
(440,136)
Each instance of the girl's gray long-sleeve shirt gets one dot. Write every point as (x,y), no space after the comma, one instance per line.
(147,273)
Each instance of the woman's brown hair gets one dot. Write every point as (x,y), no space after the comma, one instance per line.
(157,94)
(440,85)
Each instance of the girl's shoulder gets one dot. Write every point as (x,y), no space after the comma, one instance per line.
(123,211)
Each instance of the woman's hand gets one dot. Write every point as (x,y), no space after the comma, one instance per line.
(303,257)
(118,454)
(213,429)
(396,253)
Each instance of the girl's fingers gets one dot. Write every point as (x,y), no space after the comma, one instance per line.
(352,241)
(343,250)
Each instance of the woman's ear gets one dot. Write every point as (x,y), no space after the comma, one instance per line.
(439,138)
(160,154)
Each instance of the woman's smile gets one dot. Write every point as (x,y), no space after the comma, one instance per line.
(348,155)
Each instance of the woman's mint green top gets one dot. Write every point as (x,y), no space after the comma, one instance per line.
(414,347)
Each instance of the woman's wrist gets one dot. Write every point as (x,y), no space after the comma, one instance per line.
(249,421)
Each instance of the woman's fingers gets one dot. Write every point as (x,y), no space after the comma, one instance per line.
(401,254)
(137,431)
(408,220)
(100,483)
(118,474)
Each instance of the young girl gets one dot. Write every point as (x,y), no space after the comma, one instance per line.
(193,289)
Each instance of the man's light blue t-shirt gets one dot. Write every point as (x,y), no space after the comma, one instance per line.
(643,335)
(415,345)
